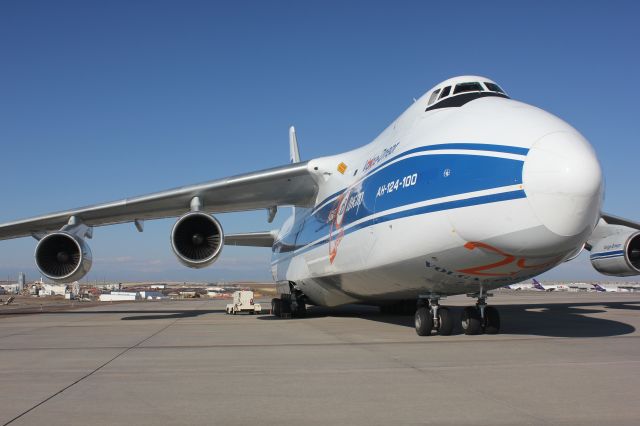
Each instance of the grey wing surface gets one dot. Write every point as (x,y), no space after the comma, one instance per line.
(615,220)
(611,225)
(286,185)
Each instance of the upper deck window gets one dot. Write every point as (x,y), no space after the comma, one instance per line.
(433,96)
(493,87)
(468,87)
(445,92)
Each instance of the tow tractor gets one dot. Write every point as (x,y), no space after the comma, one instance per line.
(243,302)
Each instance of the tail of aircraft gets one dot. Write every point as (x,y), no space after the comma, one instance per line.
(598,287)
(294,154)
(537,285)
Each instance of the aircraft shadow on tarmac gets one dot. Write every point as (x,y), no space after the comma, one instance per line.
(548,319)
(169,314)
(143,314)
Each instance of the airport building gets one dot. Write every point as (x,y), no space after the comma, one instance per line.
(152,295)
(118,296)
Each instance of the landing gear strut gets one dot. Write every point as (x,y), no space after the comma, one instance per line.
(480,318)
(431,316)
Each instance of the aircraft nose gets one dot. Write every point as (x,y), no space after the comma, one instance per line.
(563,183)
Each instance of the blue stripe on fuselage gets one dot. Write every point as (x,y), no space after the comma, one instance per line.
(507,149)
(408,181)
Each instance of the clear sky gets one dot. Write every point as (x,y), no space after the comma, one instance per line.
(103,100)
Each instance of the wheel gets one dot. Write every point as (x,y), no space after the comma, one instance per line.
(471,323)
(285,305)
(234,312)
(252,312)
(446,321)
(424,321)
(491,320)
(302,309)
(276,305)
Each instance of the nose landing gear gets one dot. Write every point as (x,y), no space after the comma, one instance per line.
(480,318)
(431,316)
(476,319)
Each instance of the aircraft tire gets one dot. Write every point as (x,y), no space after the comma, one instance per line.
(492,320)
(446,321)
(423,321)
(301,312)
(285,305)
(471,322)
(276,305)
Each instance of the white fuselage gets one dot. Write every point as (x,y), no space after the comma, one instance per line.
(448,200)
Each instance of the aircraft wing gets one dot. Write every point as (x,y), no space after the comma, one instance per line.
(286,185)
(615,220)
(610,225)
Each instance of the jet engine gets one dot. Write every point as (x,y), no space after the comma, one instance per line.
(63,257)
(617,255)
(197,239)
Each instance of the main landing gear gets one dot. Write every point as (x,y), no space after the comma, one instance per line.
(289,305)
(431,316)
(480,318)
(476,319)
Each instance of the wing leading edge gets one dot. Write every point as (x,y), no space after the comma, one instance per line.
(615,220)
(286,185)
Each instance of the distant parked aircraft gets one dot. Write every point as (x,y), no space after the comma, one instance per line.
(618,288)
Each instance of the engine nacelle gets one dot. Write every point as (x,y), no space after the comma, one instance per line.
(617,255)
(63,257)
(197,239)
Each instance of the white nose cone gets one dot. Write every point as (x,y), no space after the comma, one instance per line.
(563,182)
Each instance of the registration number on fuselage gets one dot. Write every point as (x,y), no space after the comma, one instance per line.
(397,184)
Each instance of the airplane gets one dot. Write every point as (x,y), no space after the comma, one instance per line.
(618,288)
(466,191)
(598,287)
(536,284)
(560,287)
(523,286)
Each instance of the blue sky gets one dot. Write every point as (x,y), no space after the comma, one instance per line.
(102,100)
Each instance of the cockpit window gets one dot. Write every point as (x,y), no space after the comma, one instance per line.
(445,92)
(468,87)
(433,96)
(493,87)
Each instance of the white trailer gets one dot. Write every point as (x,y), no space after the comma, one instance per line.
(243,302)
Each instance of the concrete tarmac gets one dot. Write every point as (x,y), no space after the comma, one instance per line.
(562,358)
